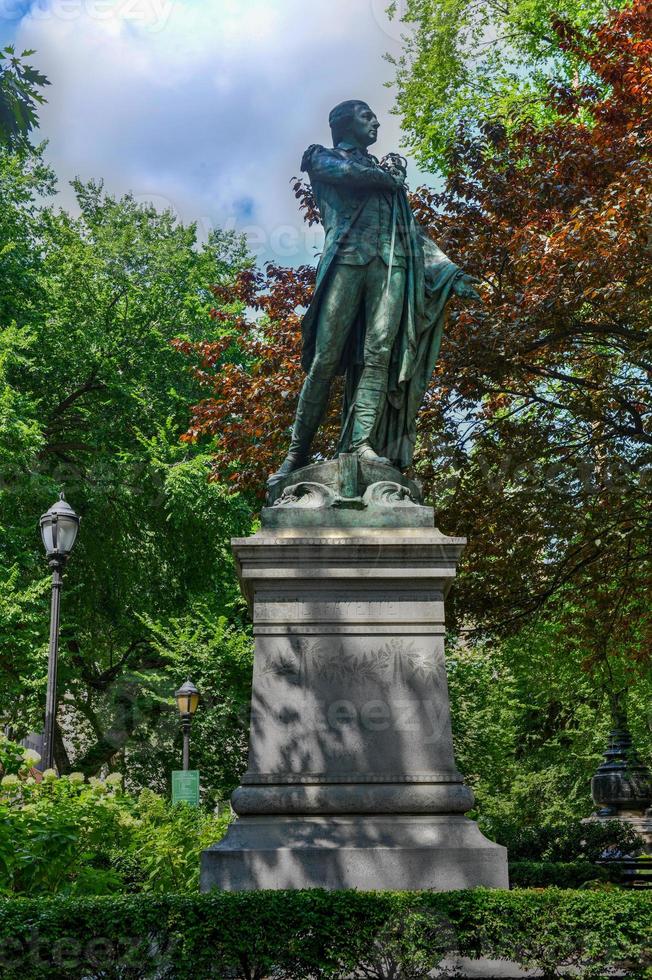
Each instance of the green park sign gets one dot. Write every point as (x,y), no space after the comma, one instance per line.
(185,786)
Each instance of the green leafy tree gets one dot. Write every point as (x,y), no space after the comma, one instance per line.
(465,60)
(20,96)
(25,179)
(94,399)
(218,656)
(530,728)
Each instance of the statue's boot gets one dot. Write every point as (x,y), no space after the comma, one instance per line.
(313,402)
(369,398)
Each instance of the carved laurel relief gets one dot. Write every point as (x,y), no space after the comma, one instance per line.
(394,660)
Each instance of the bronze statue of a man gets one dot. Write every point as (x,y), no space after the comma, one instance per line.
(378,309)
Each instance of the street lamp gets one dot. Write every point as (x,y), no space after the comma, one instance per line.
(59,527)
(187,698)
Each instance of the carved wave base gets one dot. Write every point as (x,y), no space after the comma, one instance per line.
(346,492)
(352,781)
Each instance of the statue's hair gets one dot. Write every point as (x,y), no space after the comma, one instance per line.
(340,117)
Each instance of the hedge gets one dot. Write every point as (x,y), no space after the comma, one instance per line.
(560,874)
(316,934)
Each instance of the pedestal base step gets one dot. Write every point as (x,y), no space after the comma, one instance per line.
(384,853)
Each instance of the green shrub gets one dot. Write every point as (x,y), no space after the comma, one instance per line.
(14,758)
(70,837)
(573,841)
(558,874)
(259,935)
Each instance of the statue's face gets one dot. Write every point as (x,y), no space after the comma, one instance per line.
(364,125)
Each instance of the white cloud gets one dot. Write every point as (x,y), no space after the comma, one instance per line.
(207,104)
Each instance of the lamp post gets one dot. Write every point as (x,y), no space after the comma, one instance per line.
(59,527)
(187,698)
(622,783)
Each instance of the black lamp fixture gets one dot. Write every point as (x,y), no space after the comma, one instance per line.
(59,527)
(187,698)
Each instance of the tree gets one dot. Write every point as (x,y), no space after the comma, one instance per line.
(464,60)
(217,654)
(24,177)
(103,398)
(550,380)
(20,96)
(253,373)
(530,729)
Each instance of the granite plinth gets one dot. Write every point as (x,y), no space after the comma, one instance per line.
(413,853)
(352,781)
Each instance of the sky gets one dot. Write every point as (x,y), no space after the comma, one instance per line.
(205,106)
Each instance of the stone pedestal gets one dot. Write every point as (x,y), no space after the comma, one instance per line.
(352,781)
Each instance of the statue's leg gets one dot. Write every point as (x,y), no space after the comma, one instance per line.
(383,312)
(339,307)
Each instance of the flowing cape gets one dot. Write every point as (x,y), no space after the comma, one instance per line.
(430,276)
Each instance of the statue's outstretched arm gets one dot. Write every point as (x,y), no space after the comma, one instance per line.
(436,261)
(330,168)
(432,253)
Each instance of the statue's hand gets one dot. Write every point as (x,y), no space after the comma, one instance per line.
(396,165)
(464,287)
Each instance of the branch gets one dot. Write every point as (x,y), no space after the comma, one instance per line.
(89,385)
(101,682)
(125,721)
(560,376)
(539,600)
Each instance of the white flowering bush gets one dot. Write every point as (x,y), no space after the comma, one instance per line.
(71,836)
(14,758)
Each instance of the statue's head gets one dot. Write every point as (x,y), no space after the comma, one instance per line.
(354,120)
